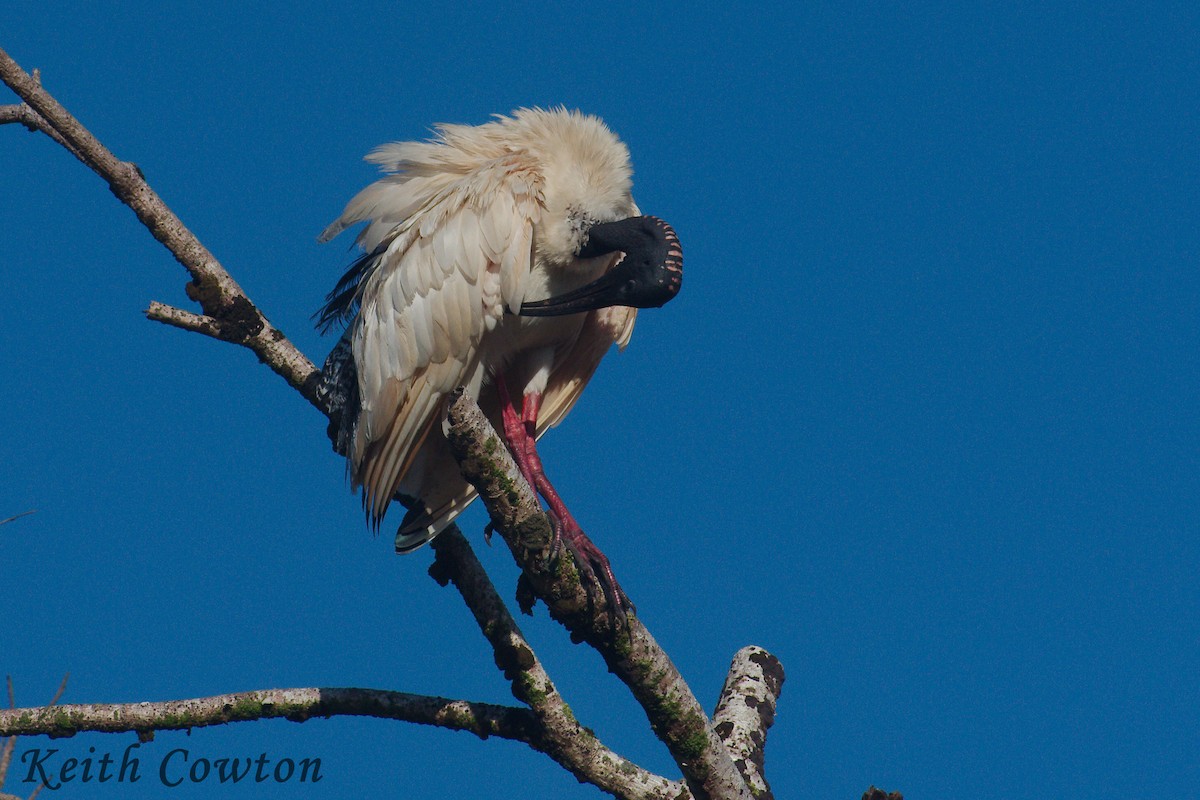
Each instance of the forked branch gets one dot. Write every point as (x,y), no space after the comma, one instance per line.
(566,741)
(702,751)
(237,319)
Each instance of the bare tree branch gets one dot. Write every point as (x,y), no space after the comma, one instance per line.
(62,687)
(211,286)
(11,742)
(629,650)
(17,516)
(298,705)
(573,746)
(21,113)
(178,318)
(746,709)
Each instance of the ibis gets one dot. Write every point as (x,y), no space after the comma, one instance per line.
(507,259)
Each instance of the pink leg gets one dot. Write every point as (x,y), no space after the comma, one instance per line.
(514,430)
(521,434)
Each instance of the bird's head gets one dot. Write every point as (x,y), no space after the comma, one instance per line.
(589,213)
(586,179)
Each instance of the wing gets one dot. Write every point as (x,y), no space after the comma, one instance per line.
(438,281)
(444,494)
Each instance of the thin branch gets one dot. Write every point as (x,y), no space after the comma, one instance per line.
(212,287)
(298,705)
(570,744)
(10,744)
(21,113)
(62,687)
(746,709)
(17,516)
(11,741)
(629,650)
(178,318)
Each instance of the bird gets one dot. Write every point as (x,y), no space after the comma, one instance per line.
(505,258)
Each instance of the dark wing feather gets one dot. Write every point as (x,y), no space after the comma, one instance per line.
(341,304)
(339,390)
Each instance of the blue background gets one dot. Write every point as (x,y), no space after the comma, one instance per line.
(923,421)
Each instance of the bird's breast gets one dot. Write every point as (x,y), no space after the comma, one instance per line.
(516,339)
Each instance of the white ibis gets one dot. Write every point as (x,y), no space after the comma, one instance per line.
(506,258)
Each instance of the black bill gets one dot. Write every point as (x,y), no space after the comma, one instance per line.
(649,275)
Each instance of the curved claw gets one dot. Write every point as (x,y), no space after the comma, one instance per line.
(597,570)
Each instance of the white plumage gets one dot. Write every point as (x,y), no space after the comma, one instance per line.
(460,232)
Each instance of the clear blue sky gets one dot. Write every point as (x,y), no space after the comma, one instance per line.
(923,421)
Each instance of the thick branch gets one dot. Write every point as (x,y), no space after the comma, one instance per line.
(298,705)
(629,650)
(566,741)
(746,709)
(211,286)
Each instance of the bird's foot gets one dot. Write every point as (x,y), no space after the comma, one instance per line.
(594,567)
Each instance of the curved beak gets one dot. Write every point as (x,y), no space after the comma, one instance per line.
(649,275)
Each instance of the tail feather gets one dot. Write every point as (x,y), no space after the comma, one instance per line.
(421,524)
